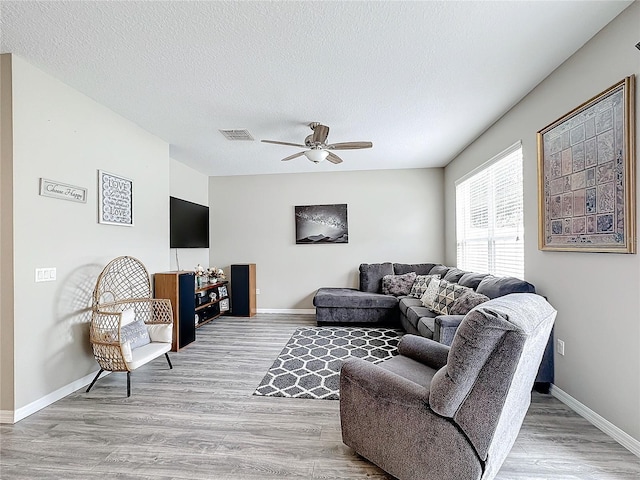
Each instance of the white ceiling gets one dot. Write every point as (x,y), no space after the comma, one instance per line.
(421,80)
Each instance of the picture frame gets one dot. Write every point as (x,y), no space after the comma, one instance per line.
(224,305)
(222,291)
(586,176)
(62,191)
(115,199)
(321,224)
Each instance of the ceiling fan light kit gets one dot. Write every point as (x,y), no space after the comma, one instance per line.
(316,156)
(318,148)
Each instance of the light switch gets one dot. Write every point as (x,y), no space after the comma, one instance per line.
(46,274)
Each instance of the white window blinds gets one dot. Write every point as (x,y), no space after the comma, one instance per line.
(489,217)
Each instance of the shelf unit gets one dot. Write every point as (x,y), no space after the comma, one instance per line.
(212,300)
(192,306)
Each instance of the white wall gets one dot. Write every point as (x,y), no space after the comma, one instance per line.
(596,295)
(188,184)
(393,215)
(62,135)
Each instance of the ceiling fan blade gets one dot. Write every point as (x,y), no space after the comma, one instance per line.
(349,145)
(333,158)
(320,133)
(291,157)
(284,143)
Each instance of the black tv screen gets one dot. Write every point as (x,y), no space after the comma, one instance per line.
(188,224)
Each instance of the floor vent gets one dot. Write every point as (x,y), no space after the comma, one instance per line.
(237,134)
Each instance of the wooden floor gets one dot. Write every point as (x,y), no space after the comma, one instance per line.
(201,421)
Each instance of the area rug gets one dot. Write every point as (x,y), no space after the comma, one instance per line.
(309,365)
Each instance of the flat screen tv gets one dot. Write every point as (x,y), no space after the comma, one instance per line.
(188,224)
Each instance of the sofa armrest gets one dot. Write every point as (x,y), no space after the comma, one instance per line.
(365,376)
(445,327)
(424,350)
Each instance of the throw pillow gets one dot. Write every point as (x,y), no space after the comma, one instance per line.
(162,332)
(467,302)
(420,285)
(448,292)
(430,293)
(135,333)
(397,285)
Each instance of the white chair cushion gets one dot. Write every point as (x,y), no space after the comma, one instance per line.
(161,332)
(146,353)
(128,316)
(126,352)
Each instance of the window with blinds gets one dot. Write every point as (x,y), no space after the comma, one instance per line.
(489,216)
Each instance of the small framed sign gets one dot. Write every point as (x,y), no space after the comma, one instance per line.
(63,191)
(115,199)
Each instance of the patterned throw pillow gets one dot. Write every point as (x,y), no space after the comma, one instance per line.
(135,333)
(420,285)
(447,294)
(397,285)
(467,302)
(430,293)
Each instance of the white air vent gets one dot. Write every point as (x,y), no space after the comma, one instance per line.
(237,134)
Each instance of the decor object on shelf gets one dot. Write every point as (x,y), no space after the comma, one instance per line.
(224,305)
(115,199)
(63,191)
(322,224)
(586,176)
(201,276)
(128,327)
(438,412)
(216,273)
(309,364)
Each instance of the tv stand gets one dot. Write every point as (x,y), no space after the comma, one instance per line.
(212,300)
(192,306)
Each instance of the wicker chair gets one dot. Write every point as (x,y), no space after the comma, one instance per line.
(122,297)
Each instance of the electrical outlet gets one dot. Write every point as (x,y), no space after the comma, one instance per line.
(560,348)
(257,291)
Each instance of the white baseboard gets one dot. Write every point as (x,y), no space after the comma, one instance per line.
(620,436)
(8,416)
(301,311)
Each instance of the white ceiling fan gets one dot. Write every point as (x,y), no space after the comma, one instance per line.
(318,149)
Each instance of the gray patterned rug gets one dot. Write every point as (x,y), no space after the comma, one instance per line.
(309,365)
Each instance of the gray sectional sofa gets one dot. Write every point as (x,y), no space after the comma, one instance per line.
(367,305)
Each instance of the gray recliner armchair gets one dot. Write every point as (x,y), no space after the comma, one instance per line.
(438,412)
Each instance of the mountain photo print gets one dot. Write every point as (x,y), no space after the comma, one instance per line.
(322,224)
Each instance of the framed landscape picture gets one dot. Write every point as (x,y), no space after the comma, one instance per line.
(321,224)
(586,176)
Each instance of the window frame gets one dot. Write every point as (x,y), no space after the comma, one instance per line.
(495,236)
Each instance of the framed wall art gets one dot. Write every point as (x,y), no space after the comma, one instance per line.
(321,224)
(63,191)
(586,176)
(115,199)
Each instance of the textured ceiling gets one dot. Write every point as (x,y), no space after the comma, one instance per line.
(420,80)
